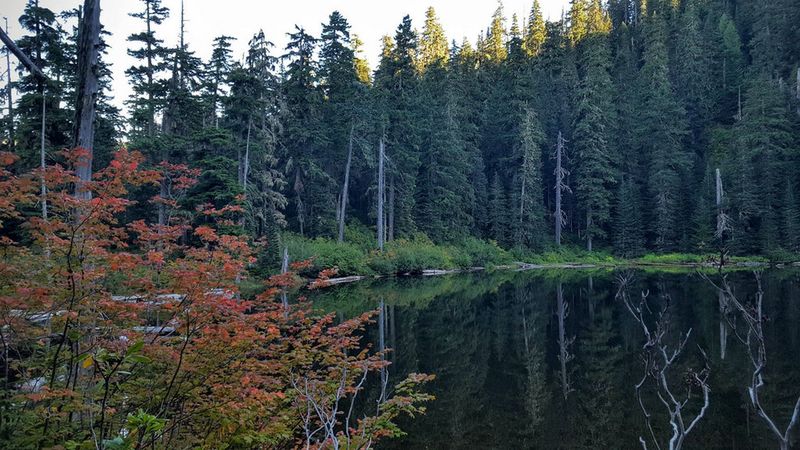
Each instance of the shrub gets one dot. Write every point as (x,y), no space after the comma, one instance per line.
(326,253)
(474,252)
(417,254)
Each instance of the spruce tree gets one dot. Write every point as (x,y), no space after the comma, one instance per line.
(529,223)
(145,76)
(397,104)
(536,32)
(498,211)
(312,196)
(628,230)
(791,218)
(763,140)
(578,21)
(494,49)
(661,130)
(432,43)
(216,76)
(594,154)
(703,216)
(45,45)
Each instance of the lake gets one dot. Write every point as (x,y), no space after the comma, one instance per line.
(551,359)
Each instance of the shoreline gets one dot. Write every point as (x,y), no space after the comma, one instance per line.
(522,267)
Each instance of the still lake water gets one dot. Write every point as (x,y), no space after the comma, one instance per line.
(520,366)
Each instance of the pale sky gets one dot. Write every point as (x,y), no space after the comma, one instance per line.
(206,19)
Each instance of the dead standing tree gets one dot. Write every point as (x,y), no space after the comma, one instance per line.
(86,97)
(723,221)
(560,187)
(341,207)
(659,360)
(381,225)
(755,343)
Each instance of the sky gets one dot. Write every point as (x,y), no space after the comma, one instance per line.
(206,19)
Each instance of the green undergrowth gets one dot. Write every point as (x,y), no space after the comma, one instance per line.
(400,256)
(413,254)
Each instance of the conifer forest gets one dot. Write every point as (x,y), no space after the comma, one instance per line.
(163,254)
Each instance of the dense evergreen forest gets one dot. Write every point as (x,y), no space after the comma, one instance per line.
(609,123)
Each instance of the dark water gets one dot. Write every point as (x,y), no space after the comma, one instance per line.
(518,368)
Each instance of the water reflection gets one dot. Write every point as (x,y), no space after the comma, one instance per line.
(550,360)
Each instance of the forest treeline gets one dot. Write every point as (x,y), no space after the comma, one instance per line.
(608,123)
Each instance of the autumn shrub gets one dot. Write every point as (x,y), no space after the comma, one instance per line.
(182,359)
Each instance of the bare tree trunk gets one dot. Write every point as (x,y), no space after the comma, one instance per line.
(151,113)
(723,327)
(21,56)
(88,50)
(381,195)
(346,185)
(722,218)
(284,269)
(739,105)
(560,173)
(589,224)
(390,227)
(42,160)
(724,74)
(11,100)
(246,163)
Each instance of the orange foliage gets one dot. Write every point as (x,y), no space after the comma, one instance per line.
(176,342)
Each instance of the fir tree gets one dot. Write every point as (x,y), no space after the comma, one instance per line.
(44,42)
(148,88)
(763,138)
(529,224)
(312,188)
(660,134)
(536,33)
(432,43)
(498,211)
(628,230)
(594,160)
(494,49)
(398,102)
(791,218)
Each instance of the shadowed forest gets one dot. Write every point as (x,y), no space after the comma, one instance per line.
(603,129)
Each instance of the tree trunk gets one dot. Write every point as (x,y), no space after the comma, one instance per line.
(151,113)
(21,56)
(11,100)
(345,186)
(246,163)
(721,219)
(88,49)
(390,232)
(42,160)
(381,195)
(559,214)
(589,225)
(284,269)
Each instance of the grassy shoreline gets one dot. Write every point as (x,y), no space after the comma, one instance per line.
(419,256)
